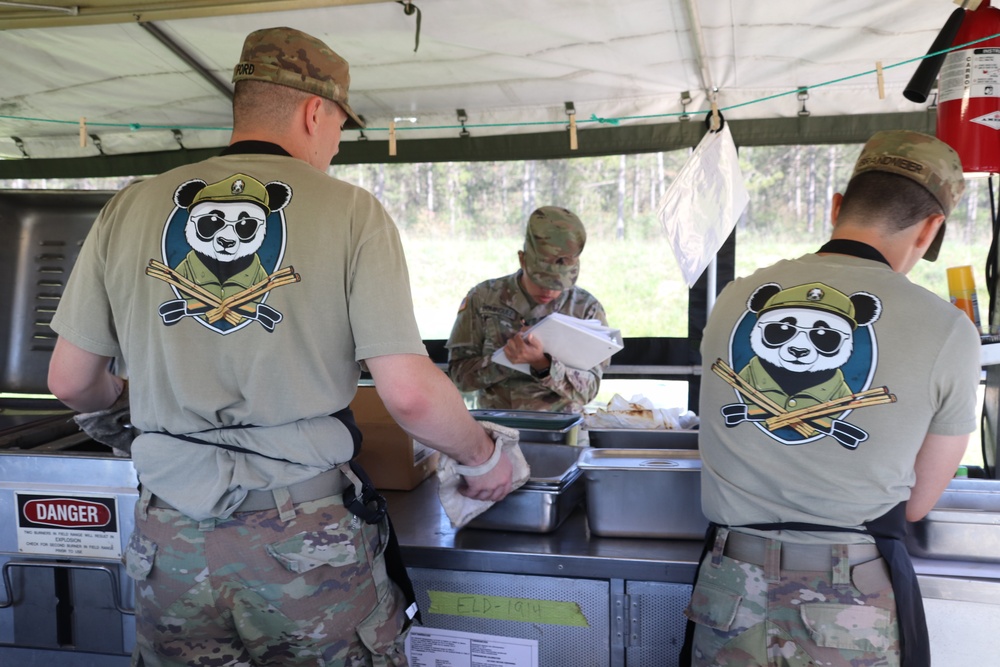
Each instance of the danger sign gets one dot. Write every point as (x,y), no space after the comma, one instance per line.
(67,526)
(67,513)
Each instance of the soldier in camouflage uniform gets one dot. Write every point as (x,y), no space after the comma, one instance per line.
(855,416)
(245,293)
(495,311)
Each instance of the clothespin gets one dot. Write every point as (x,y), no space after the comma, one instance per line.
(571,112)
(83,132)
(716,124)
(881,79)
(685,101)
(392,138)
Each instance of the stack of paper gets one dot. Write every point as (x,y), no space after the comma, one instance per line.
(580,344)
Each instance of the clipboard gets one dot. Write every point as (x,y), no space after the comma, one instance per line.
(577,343)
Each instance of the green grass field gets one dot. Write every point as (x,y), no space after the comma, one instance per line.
(638,282)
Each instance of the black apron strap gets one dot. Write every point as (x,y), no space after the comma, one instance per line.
(345,416)
(889,531)
(371,508)
(684,660)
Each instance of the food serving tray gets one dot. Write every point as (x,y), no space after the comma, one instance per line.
(642,438)
(964,524)
(536,425)
(550,495)
(643,493)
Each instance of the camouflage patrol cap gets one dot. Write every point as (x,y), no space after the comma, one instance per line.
(922,158)
(292,58)
(552,247)
(814,295)
(238,187)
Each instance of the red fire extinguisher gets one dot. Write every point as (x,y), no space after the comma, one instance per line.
(968,117)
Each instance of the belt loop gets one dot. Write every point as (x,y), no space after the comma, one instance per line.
(721,535)
(145,496)
(772,560)
(352,478)
(283,501)
(840,558)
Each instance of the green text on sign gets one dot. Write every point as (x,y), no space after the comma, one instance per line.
(550,612)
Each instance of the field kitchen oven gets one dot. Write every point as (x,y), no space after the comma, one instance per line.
(65,501)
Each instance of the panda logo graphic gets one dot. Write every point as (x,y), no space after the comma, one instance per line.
(807,356)
(222,246)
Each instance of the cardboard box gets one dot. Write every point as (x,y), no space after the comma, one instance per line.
(394,460)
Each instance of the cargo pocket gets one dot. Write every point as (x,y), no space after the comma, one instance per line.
(713,607)
(139,556)
(384,633)
(850,627)
(308,550)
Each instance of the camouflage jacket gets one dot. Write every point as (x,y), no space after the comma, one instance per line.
(490,314)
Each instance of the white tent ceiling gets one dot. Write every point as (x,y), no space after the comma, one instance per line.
(510,64)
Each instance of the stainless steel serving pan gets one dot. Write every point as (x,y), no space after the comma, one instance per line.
(548,497)
(644,493)
(639,438)
(964,524)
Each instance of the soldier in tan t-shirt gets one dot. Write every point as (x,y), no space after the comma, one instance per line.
(245,294)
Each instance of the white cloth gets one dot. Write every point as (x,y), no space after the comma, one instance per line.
(462,509)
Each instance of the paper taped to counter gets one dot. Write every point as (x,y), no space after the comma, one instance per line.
(639,413)
(577,343)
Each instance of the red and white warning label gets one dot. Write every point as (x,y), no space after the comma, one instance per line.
(68,526)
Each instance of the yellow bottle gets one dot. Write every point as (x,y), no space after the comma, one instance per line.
(962,292)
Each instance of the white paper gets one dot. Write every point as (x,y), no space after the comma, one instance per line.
(704,202)
(433,647)
(577,343)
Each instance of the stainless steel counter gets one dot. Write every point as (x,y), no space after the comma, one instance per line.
(428,540)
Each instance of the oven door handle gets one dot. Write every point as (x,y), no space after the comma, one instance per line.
(107,569)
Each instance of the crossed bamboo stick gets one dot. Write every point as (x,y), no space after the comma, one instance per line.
(230,307)
(798,419)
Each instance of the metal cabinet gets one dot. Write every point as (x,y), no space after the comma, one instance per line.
(588,646)
(628,623)
(652,622)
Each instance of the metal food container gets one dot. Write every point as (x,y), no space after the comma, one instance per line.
(641,438)
(644,493)
(536,425)
(549,496)
(964,524)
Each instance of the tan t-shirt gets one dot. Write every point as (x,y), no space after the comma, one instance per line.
(240,292)
(803,335)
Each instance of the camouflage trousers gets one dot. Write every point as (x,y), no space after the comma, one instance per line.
(257,589)
(747,615)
